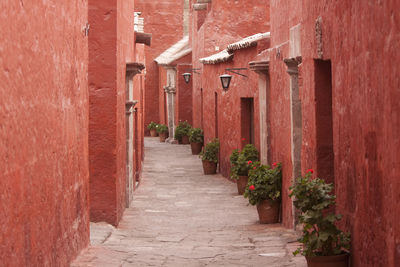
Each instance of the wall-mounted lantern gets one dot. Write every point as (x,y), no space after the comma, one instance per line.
(225,81)
(226,78)
(186,77)
(188,74)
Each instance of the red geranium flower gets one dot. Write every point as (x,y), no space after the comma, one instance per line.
(274,164)
(310,170)
(243,139)
(251,187)
(249,162)
(255,168)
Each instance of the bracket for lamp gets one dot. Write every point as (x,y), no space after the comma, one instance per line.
(235,70)
(193,70)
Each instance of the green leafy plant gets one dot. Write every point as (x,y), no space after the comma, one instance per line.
(211,151)
(240,159)
(264,183)
(182,129)
(321,237)
(162,128)
(152,125)
(196,135)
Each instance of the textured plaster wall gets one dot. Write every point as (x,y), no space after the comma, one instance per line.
(184,94)
(226,22)
(365,79)
(111,45)
(229,119)
(162,96)
(164,20)
(44,184)
(361,46)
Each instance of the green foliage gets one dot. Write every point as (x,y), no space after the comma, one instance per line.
(162,128)
(211,151)
(196,135)
(182,129)
(321,237)
(264,183)
(239,160)
(152,125)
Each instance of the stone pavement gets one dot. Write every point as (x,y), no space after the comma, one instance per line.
(180,217)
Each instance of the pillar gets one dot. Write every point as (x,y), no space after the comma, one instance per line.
(262,69)
(296,120)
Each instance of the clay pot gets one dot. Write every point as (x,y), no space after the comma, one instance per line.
(196,148)
(268,211)
(185,140)
(163,137)
(328,261)
(153,132)
(209,167)
(241,184)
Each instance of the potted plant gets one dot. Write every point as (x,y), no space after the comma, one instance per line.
(264,190)
(162,131)
(182,132)
(240,165)
(153,129)
(323,243)
(209,156)
(196,138)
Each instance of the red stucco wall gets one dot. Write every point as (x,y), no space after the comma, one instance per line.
(226,22)
(229,105)
(361,47)
(44,184)
(164,20)
(183,99)
(111,46)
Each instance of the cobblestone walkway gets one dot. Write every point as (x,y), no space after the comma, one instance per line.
(180,217)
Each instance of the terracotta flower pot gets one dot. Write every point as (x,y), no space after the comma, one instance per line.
(163,137)
(185,140)
(241,184)
(209,167)
(153,132)
(268,211)
(196,148)
(328,261)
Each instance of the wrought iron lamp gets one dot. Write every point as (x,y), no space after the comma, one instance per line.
(226,78)
(188,74)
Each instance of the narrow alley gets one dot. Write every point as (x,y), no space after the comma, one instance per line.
(180,217)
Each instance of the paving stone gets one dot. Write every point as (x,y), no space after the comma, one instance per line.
(180,217)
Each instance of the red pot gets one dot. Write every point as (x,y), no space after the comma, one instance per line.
(209,167)
(163,137)
(153,132)
(196,148)
(268,211)
(185,140)
(241,184)
(341,260)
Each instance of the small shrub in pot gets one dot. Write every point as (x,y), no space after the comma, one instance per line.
(264,190)
(162,132)
(182,132)
(196,138)
(209,156)
(322,240)
(240,165)
(153,128)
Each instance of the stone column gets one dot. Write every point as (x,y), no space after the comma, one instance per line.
(296,119)
(171,91)
(262,68)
